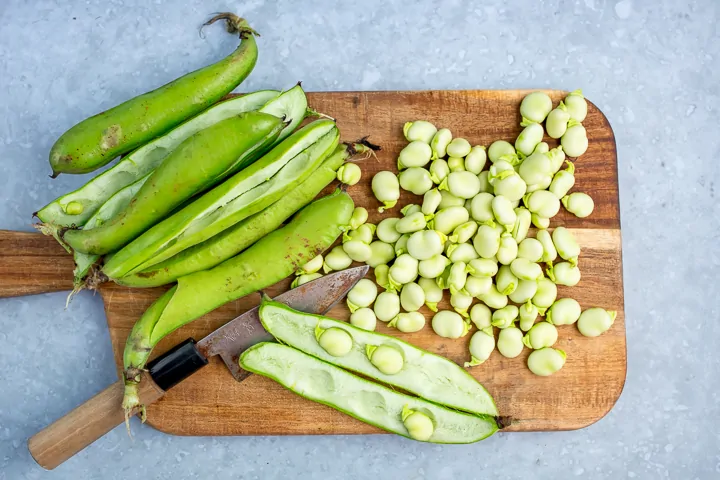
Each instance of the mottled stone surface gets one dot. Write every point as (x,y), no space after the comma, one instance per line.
(651,66)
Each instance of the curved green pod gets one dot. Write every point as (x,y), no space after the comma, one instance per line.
(239,197)
(99,139)
(198,162)
(429,376)
(240,236)
(265,263)
(142,161)
(360,398)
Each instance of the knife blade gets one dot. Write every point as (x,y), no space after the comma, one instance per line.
(233,338)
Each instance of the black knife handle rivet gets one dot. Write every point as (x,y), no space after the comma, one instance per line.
(177,364)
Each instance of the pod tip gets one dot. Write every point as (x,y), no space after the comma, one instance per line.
(233,24)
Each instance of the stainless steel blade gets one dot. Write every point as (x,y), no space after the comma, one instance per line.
(317,297)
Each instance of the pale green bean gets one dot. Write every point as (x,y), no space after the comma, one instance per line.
(535,168)
(557,158)
(524,269)
(415,154)
(483,267)
(482,344)
(545,295)
(363,233)
(386,189)
(531,249)
(433,293)
(458,147)
(433,267)
(461,302)
(493,298)
(481,316)
(522,224)
(539,222)
(387,306)
(401,245)
(481,208)
(485,183)
(546,361)
(506,281)
(425,244)
(409,322)
(412,223)
(564,273)
(335,341)
(541,335)
(450,200)
(576,105)
(563,181)
(500,149)
(349,174)
(595,321)
(457,277)
(412,297)
(382,278)
(305,278)
(463,232)
(381,253)
(439,169)
(557,121)
(575,141)
(359,217)
(566,245)
(476,159)
(357,250)
(564,311)
(440,142)
(403,270)
(503,212)
(431,201)
(508,250)
(476,286)
(386,230)
(456,164)
(461,184)
(529,138)
(313,266)
(419,131)
(363,294)
(542,203)
(579,204)
(416,180)
(449,324)
(510,343)
(549,251)
(524,292)
(462,252)
(364,318)
(528,314)
(486,241)
(535,107)
(337,259)
(448,219)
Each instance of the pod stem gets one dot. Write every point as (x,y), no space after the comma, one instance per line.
(365,147)
(233,24)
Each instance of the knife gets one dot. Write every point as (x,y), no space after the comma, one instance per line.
(70,434)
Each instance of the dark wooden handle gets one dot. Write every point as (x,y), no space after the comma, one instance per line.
(32,263)
(70,434)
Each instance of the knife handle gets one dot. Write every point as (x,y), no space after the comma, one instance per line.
(70,434)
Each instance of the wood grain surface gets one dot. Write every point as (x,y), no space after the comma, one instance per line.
(212,403)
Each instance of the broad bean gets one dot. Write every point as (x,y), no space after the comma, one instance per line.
(401,245)
(540,222)
(508,250)
(557,158)
(461,184)
(419,425)
(549,251)
(476,159)
(512,186)
(524,269)
(387,306)
(506,281)
(363,233)
(529,138)
(403,270)
(576,105)
(499,170)
(409,209)
(481,316)
(535,169)
(382,278)
(385,358)
(461,252)
(386,189)
(486,241)
(386,230)
(522,224)
(416,180)
(335,341)
(433,267)
(541,335)
(595,321)
(456,164)
(415,154)
(542,203)
(409,322)
(493,298)
(431,201)
(449,324)
(439,169)
(482,267)
(425,244)
(457,277)
(357,250)
(481,208)
(566,245)
(510,342)
(381,253)
(482,344)
(349,174)
(504,317)
(579,204)
(359,217)
(557,121)
(564,311)
(440,142)
(337,259)
(575,141)
(450,200)
(313,266)
(433,293)
(528,314)
(531,249)
(448,219)
(485,183)
(476,286)
(305,278)
(461,302)
(463,232)
(458,147)
(524,292)
(535,107)
(545,295)
(503,212)
(412,297)
(411,223)
(501,149)
(546,361)
(419,131)
(363,294)
(364,318)
(563,181)
(542,147)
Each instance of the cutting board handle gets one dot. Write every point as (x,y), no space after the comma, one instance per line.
(70,434)
(32,263)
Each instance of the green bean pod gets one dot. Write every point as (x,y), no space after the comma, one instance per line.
(219,148)
(244,194)
(237,238)
(268,261)
(99,139)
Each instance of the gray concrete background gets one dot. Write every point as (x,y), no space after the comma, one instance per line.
(651,66)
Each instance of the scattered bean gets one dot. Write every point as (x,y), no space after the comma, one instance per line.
(456,164)
(535,168)
(433,293)
(576,105)
(385,358)
(419,426)
(401,245)
(549,251)
(579,204)
(512,186)
(305,278)
(335,341)
(462,184)
(500,149)
(409,322)
(411,223)
(313,266)
(485,183)
(565,311)
(575,141)
(539,222)
(415,154)
(542,203)
(506,281)
(529,138)
(557,120)
(381,253)
(337,259)
(476,286)
(504,317)
(363,233)
(449,218)
(542,147)
(546,361)
(450,200)
(387,306)
(535,107)
(545,295)
(557,158)
(363,294)
(364,318)
(510,342)
(416,180)
(459,147)
(482,267)
(382,277)
(541,335)
(526,289)
(431,201)
(481,316)
(449,324)
(563,181)
(419,131)
(440,142)
(439,169)
(359,217)
(595,321)
(566,245)
(349,174)
(412,297)
(464,232)
(482,344)
(531,249)
(386,189)
(475,160)
(403,270)
(386,230)
(433,267)
(528,314)
(494,299)
(461,302)
(524,269)
(357,250)
(508,250)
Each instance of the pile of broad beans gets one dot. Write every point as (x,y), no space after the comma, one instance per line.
(470,234)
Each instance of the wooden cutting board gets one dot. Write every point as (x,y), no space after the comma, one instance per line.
(211,402)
